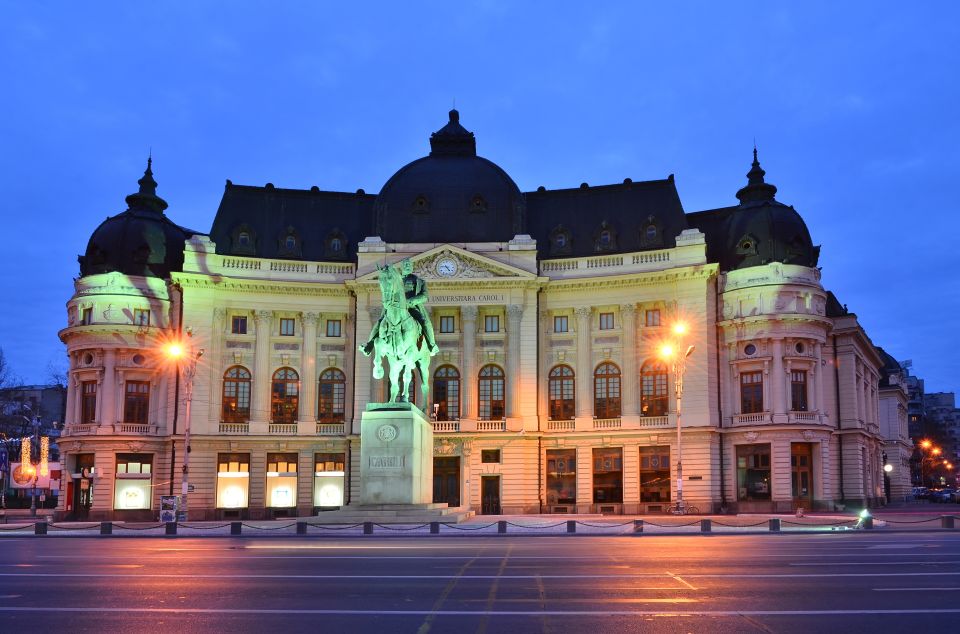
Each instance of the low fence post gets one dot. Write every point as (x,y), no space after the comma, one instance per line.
(868,523)
(434,528)
(171,528)
(571,526)
(637,526)
(40,528)
(368,528)
(502,526)
(236,528)
(106,528)
(775,524)
(706,526)
(947,521)
(301,528)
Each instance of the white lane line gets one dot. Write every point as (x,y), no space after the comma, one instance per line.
(681,580)
(879,563)
(937,589)
(565,577)
(511,613)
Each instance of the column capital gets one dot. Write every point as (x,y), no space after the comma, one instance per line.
(583,313)
(469,313)
(309,318)
(263,316)
(219,314)
(515,311)
(628,310)
(374,312)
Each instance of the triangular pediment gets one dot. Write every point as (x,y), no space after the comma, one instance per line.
(450,263)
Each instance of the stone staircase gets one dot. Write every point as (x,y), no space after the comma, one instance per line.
(394,514)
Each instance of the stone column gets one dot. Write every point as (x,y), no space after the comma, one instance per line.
(631,382)
(514,315)
(468,382)
(262,377)
(216,369)
(108,402)
(818,380)
(778,384)
(308,370)
(74,393)
(584,377)
(377,387)
(349,356)
(543,369)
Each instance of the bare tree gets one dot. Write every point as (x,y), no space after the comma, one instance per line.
(6,374)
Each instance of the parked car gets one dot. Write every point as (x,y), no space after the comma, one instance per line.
(921,493)
(942,495)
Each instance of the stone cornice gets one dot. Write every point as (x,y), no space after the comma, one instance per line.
(272,287)
(656,278)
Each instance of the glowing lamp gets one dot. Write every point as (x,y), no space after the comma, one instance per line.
(666,351)
(679,328)
(888,467)
(174,351)
(926,444)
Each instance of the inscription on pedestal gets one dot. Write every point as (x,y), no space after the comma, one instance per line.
(386,462)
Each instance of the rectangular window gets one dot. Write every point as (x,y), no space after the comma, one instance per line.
(132,487)
(753,472)
(653,317)
(561,323)
(141,317)
(608,475)
(751,392)
(798,390)
(606,321)
(561,476)
(281,480)
(136,402)
(447,323)
(333,327)
(238,325)
(287,328)
(88,402)
(233,480)
(491,323)
(655,474)
(328,479)
(490,456)
(86,317)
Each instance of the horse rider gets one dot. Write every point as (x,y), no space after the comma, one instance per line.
(415,290)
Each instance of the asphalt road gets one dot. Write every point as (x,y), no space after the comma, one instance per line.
(766,583)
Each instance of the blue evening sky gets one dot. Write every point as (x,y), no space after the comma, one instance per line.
(854,107)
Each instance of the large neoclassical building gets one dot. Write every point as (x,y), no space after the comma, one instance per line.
(550,307)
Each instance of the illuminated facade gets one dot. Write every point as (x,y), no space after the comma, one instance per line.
(549,308)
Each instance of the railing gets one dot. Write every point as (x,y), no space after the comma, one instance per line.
(330,429)
(79,429)
(335,269)
(805,416)
(760,417)
(648,258)
(288,267)
(241,263)
(655,421)
(606,423)
(602,262)
(285,266)
(446,425)
(491,425)
(234,428)
(561,265)
(283,429)
(561,425)
(134,428)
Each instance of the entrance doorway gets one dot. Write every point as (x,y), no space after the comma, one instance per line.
(801,474)
(490,495)
(446,481)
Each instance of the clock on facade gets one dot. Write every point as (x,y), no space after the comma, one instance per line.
(446,267)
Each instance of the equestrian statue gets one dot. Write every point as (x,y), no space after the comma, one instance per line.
(403,333)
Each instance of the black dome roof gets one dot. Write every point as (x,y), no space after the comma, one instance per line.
(762,230)
(139,241)
(452,195)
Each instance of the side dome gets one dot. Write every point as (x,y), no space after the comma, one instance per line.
(140,241)
(452,195)
(762,230)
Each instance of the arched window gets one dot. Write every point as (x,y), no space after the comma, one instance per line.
(653,389)
(285,396)
(333,385)
(491,393)
(561,391)
(236,395)
(606,391)
(446,392)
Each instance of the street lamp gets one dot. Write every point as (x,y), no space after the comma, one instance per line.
(183,354)
(670,353)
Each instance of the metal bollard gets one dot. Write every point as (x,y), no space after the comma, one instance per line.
(571,526)
(40,528)
(947,521)
(171,528)
(106,528)
(775,524)
(301,528)
(706,526)
(637,526)
(236,528)
(368,528)
(502,526)
(434,528)
(868,523)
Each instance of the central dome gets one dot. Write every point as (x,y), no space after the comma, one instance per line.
(452,195)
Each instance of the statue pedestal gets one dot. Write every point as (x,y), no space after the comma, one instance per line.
(396,455)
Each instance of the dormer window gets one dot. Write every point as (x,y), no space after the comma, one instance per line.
(243,240)
(421,205)
(561,242)
(335,245)
(605,239)
(289,244)
(478,204)
(651,234)
(747,245)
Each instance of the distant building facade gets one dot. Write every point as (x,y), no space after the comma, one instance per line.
(549,308)
(894,427)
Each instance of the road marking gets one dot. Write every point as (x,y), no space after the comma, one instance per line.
(937,589)
(879,563)
(565,577)
(428,622)
(681,580)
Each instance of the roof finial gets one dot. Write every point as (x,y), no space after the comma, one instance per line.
(146,197)
(756,189)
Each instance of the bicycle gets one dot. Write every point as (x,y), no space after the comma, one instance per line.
(682,508)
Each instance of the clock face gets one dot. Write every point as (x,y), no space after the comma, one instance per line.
(447,267)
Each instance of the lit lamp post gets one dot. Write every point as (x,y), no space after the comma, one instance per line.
(671,353)
(186,357)
(934,452)
(38,469)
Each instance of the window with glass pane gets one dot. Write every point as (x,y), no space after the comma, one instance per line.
(238,325)
(606,321)
(798,390)
(446,392)
(653,317)
(88,402)
(132,484)
(86,316)
(655,474)
(281,480)
(561,323)
(287,326)
(561,393)
(236,395)
(653,389)
(561,469)
(328,480)
(333,327)
(751,392)
(607,475)
(490,456)
(141,317)
(333,385)
(136,402)
(491,393)
(285,396)
(447,323)
(233,480)
(606,391)
(491,323)
(753,472)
